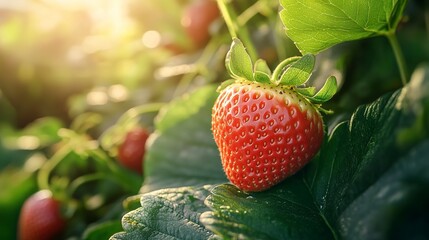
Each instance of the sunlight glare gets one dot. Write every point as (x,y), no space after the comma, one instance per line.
(28,142)
(34,162)
(93,44)
(151,39)
(118,93)
(97,97)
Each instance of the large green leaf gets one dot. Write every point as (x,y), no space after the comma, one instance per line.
(395,207)
(416,106)
(167,214)
(182,158)
(350,171)
(317,196)
(102,231)
(315,25)
(182,151)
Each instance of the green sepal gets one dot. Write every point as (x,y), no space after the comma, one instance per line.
(298,72)
(261,72)
(225,84)
(238,62)
(275,78)
(307,92)
(326,92)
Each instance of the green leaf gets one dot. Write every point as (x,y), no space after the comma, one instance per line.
(276,214)
(17,185)
(46,129)
(167,214)
(326,92)
(317,25)
(415,103)
(314,204)
(238,62)
(261,72)
(299,72)
(182,151)
(102,231)
(395,207)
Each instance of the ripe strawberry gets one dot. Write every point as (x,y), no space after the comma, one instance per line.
(264,133)
(132,150)
(197,18)
(40,217)
(266,127)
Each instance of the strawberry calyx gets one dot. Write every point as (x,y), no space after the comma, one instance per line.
(292,73)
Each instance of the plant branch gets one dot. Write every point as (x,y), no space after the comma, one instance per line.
(139,110)
(398,56)
(47,168)
(234,29)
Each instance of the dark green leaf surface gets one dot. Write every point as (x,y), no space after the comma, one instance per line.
(352,161)
(416,107)
(396,206)
(102,231)
(167,214)
(182,158)
(285,212)
(317,25)
(182,151)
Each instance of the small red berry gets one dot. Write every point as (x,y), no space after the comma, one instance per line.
(40,217)
(131,151)
(265,133)
(197,18)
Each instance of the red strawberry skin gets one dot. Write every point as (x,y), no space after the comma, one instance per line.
(264,133)
(131,152)
(40,218)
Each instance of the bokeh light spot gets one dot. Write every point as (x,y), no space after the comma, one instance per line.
(118,93)
(97,97)
(151,39)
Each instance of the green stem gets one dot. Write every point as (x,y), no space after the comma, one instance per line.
(45,171)
(399,57)
(232,25)
(235,30)
(136,111)
(85,179)
(130,182)
(250,12)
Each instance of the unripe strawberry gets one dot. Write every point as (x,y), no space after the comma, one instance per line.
(264,133)
(267,126)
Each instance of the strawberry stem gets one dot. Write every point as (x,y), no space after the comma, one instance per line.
(234,29)
(47,168)
(391,36)
(130,182)
(139,110)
